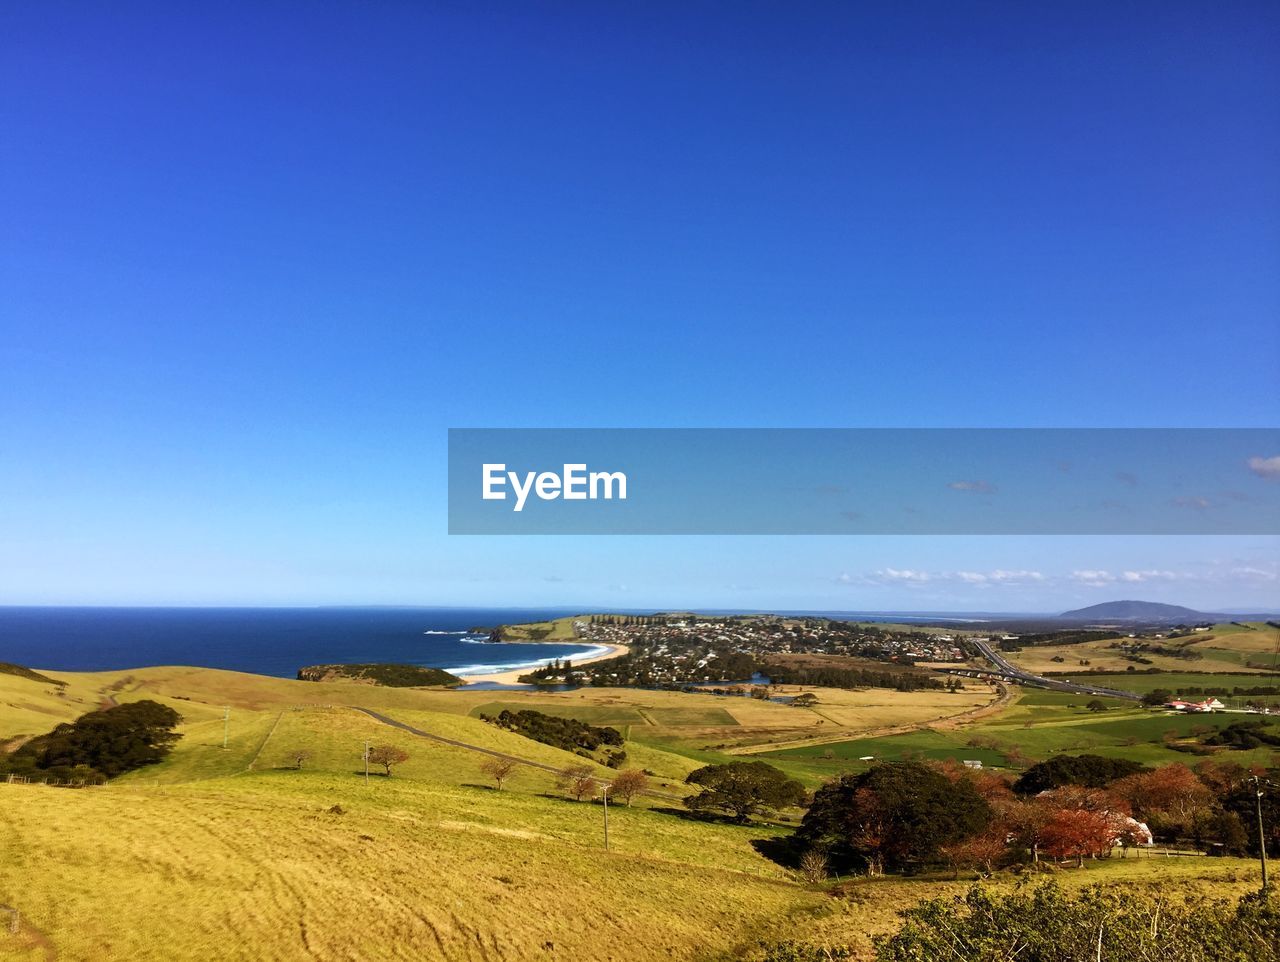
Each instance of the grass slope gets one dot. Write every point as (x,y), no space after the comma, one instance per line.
(236,854)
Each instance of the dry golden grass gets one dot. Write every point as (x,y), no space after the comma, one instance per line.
(234,854)
(255,868)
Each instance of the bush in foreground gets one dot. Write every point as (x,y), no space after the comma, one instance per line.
(1046,924)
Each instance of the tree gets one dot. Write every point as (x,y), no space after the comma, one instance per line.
(1243,803)
(626,785)
(1077,832)
(108,742)
(1096,705)
(1088,799)
(1156,698)
(578,780)
(813,865)
(1223,833)
(1092,771)
(386,756)
(743,789)
(1222,778)
(300,756)
(895,816)
(981,851)
(1171,798)
(499,769)
(1026,821)
(806,699)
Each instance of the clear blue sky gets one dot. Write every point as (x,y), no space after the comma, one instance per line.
(257,258)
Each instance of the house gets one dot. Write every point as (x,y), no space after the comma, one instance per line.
(1208,705)
(1127,831)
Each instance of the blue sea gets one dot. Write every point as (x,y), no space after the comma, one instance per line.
(270,641)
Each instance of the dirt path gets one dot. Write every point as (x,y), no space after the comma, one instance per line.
(28,936)
(262,747)
(387,720)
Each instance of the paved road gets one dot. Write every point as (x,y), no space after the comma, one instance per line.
(387,720)
(1012,672)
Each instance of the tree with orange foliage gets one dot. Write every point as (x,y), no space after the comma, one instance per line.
(982,851)
(1085,799)
(1221,778)
(1026,821)
(628,784)
(990,785)
(1077,832)
(1170,798)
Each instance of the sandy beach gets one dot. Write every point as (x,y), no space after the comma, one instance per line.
(512,677)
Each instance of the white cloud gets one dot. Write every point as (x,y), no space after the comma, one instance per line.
(1268,468)
(1196,504)
(1152,574)
(1095,578)
(981,487)
(1250,573)
(903,574)
(1015,577)
(919,576)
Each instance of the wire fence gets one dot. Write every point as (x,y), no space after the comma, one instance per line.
(12,779)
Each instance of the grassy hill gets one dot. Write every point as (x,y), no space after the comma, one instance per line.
(237,853)
(1229,646)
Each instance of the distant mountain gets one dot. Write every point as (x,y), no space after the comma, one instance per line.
(1149,611)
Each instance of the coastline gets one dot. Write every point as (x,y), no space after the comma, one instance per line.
(511,676)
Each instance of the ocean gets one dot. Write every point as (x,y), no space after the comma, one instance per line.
(270,641)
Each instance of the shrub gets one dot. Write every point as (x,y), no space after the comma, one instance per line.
(1109,924)
(108,742)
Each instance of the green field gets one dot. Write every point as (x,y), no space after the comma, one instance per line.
(616,716)
(1225,647)
(1039,724)
(1177,681)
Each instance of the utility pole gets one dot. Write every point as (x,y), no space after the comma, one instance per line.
(1262,835)
(366,763)
(604,794)
(226,725)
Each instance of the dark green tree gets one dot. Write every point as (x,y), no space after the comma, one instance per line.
(1091,771)
(1243,802)
(110,742)
(743,789)
(894,817)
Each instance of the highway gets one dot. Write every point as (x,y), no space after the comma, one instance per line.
(1011,672)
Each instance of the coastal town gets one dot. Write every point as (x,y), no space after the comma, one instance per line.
(686,649)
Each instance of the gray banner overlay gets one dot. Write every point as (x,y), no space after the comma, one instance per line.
(864,481)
